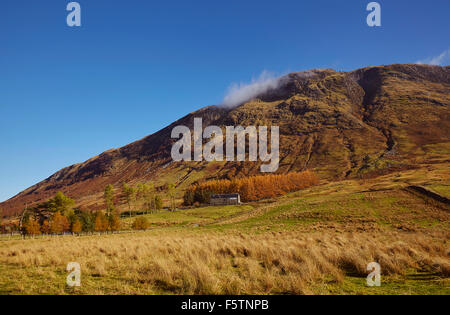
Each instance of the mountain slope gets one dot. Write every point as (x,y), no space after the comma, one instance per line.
(340,124)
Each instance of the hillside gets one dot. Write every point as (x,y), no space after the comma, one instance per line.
(366,122)
(316,241)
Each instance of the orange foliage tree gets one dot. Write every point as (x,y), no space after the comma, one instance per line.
(251,188)
(32,227)
(114,222)
(45,227)
(59,224)
(77,227)
(101,223)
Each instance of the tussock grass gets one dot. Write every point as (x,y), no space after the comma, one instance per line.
(181,262)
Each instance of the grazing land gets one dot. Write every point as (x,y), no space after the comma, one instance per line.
(316,241)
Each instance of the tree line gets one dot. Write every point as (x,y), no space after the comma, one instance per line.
(251,188)
(75,223)
(142,197)
(58,216)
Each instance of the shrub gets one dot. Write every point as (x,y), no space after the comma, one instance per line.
(140,223)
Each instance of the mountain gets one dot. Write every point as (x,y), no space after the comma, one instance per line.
(366,122)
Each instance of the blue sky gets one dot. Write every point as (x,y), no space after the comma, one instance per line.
(67,94)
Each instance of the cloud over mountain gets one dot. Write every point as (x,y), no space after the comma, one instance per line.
(240,93)
(440,60)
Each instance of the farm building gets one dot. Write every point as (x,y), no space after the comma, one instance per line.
(227,199)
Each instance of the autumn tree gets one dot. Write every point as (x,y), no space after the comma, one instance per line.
(148,192)
(71,218)
(45,227)
(109,198)
(251,188)
(101,223)
(171,195)
(114,223)
(158,202)
(77,227)
(98,226)
(65,224)
(140,223)
(57,223)
(130,195)
(32,228)
(140,192)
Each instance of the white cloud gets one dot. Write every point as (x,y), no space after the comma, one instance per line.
(440,60)
(238,94)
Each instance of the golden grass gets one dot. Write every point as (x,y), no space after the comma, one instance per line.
(319,240)
(183,262)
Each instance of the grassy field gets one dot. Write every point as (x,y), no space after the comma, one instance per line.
(191,217)
(318,241)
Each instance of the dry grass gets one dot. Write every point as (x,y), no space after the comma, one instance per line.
(318,240)
(181,262)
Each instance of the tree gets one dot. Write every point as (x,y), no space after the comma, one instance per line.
(45,227)
(57,224)
(148,191)
(171,195)
(77,227)
(24,220)
(140,191)
(114,223)
(60,203)
(101,223)
(251,188)
(109,198)
(32,227)
(98,226)
(87,221)
(188,197)
(130,195)
(65,224)
(3,229)
(140,223)
(71,217)
(14,227)
(158,202)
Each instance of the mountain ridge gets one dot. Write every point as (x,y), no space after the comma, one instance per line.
(340,124)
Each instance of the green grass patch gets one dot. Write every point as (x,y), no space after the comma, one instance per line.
(414,283)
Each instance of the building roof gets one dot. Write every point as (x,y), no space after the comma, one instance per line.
(225,196)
